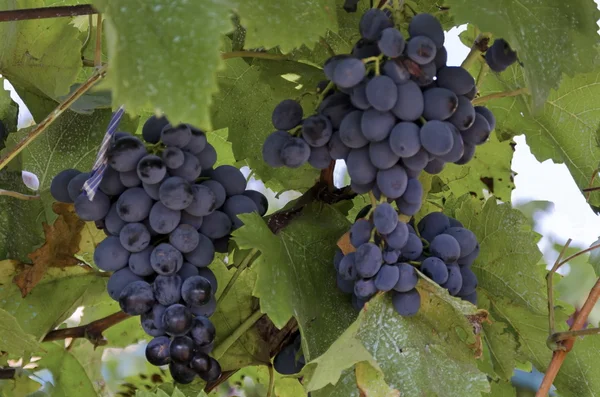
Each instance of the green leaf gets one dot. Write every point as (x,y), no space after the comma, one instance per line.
(69,377)
(502,345)
(437,343)
(296,277)
(164,54)
(286,23)
(371,383)
(53,300)
(21,385)
(595,258)
(72,141)
(223,147)
(9,112)
(567,29)
(42,55)
(90,358)
(12,337)
(345,387)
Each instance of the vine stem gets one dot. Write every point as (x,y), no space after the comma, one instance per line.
(237,334)
(41,127)
(18,195)
(549,285)
(503,94)
(98,49)
(92,331)
(471,57)
(253,54)
(243,265)
(271,381)
(47,12)
(558,357)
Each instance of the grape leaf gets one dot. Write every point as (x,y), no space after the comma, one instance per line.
(345,387)
(370,382)
(90,358)
(295,275)
(21,385)
(53,300)
(223,147)
(69,377)
(12,337)
(258,386)
(502,345)
(566,29)
(154,48)
(287,24)
(42,55)
(72,141)
(595,258)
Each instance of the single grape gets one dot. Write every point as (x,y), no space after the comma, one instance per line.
(157,351)
(139,262)
(182,373)
(178,136)
(166,259)
(151,169)
(469,281)
(295,152)
(391,43)
(200,362)
(119,280)
(436,137)
(364,288)
(207,157)
(392,182)
(441,58)
(190,170)
(364,49)
(151,190)
(360,168)
(348,72)
(330,64)
(203,201)
(417,162)
(188,270)
(407,278)
(206,310)
(376,125)
(421,49)
(175,193)
(413,248)
(468,153)
(455,78)
(398,238)
(387,277)
(203,331)
(152,128)
(458,146)
(479,132)
(130,178)
(346,286)
(173,157)
(210,276)
(404,139)
(287,115)
(124,154)
(368,260)
(435,269)
(361,189)
(350,131)
(500,56)
(337,258)
(177,320)
(216,225)
(151,321)
(407,303)
(197,142)
(358,97)
(381,154)
(110,255)
(439,103)
(360,232)
(236,205)
(489,116)
(335,107)
(426,75)
(111,184)
(218,190)
(407,208)
(385,218)
(75,185)
(427,25)
(391,256)
(134,237)
(472,298)
(221,244)
(112,222)
(454,283)
(136,298)
(319,157)
(469,259)
(464,116)
(196,291)
(433,224)
(162,219)
(373,23)
(409,104)
(185,238)
(414,191)
(192,220)
(231,179)
(213,374)
(317,130)
(347,268)
(465,238)
(382,93)
(134,205)
(182,349)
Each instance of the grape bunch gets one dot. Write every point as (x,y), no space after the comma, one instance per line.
(388,252)
(165,212)
(391,109)
(500,56)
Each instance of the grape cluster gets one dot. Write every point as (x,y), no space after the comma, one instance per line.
(290,360)
(391,109)
(165,212)
(388,252)
(500,56)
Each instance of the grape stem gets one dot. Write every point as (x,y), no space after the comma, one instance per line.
(98,49)
(92,331)
(243,265)
(271,381)
(41,127)
(480,44)
(373,200)
(503,94)
(18,195)
(485,68)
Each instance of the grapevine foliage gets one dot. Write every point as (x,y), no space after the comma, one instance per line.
(414,276)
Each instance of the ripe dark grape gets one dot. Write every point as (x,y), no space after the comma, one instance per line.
(203,202)
(136,298)
(413,248)
(175,193)
(391,43)
(350,131)
(466,239)
(190,169)
(469,281)
(500,56)
(441,57)
(373,23)
(287,115)
(348,72)
(319,157)
(152,128)
(404,139)
(203,331)
(177,320)
(139,262)
(111,182)
(407,278)
(200,363)
(381,154)
(151,190)
(181,373)
(335,107)
(218,190)
(347,267)
(214,372)
(185,238)
(410,103)
(130,178)
(464,116)
(206,310)
(360,168)
(360,232)
(368,260)
(167,289)
(489,116)
(439,103)
(173,157)
(317,130)
(197,142)
(152,321)
(365,288)
(414,191)
(406,303)
(458,146)
(93,210)
(435,269)
(395,71)
(392,182)
(158,351)
(134,237)
(456,79)
(407,208)
(398,238)
(178,136)
(162,219)
(239,204)
(118,281)
(385,218)
(134,205)
(182,349)
(387,277)
(427,25)
(196,291)
(433,224)
(454,283)
(207,157)
(376,125)
(203,254)
(421,49)
(479,132)
(230,178)
(124,154)
(110,255)
(166,259)
(358,97)
(75,185)
(470,258)
(216,225)
(151,169)
(381,93)
(468,153)
(418,161)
